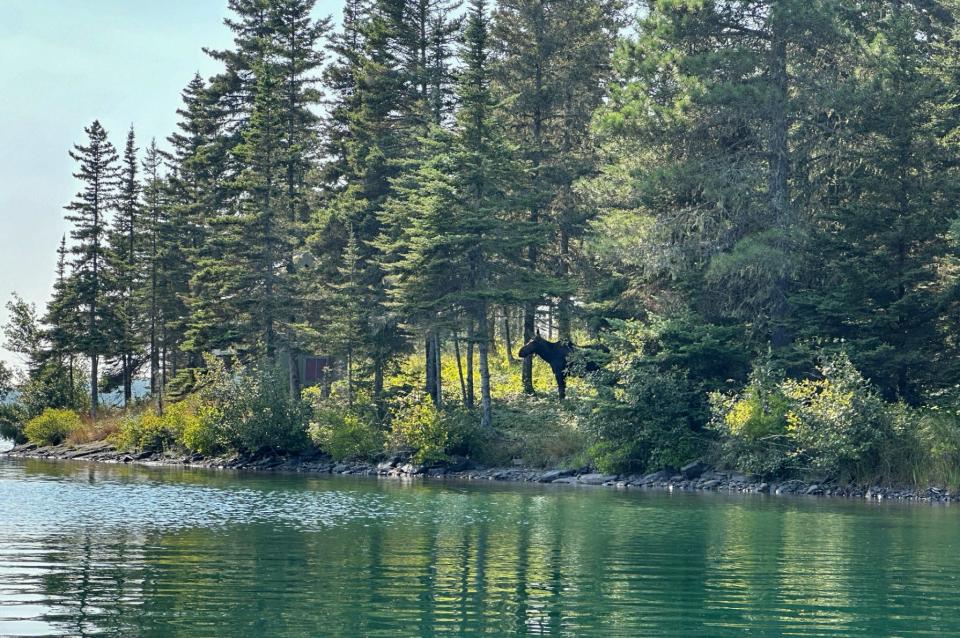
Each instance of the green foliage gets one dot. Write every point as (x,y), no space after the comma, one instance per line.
(837,421)
(179,424)
(650,424)
(752,424)
(12,418)
(416,424)
(251,409)
(344,431)
(52,426)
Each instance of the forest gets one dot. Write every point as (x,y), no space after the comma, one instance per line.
(748,207)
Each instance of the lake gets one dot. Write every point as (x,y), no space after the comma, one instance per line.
(128,551)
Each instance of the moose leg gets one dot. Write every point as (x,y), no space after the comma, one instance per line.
(561,383)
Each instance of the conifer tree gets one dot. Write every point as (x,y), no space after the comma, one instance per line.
(153,220)
(551,66)
(123,260)
(89,213)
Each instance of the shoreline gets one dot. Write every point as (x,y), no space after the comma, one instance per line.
(696,477)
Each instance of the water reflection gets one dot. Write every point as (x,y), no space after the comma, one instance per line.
(87,550)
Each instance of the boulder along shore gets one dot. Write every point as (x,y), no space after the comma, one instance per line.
(696,476)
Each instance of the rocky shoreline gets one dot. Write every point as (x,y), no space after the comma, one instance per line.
(697,476)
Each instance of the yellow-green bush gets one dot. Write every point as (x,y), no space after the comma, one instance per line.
(416,424)
(52,426)
(344,431)
(155,432)
(199,433)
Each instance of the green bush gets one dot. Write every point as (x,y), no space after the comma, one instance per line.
(251,409)
(345,432)
(752,425)
(140,432)
(154,432)
(52,427)
(12,417)
(199,432)
(837,422)
(650,420)
(416,424)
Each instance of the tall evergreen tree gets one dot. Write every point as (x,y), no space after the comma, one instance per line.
(122,258)
(552,65)
(89,213)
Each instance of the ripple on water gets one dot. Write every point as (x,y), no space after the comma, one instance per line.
(125,551)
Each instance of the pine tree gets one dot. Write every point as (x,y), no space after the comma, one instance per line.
(123,262)
(885,202)
(458,253)
(64,322)
(153,211)
(705,129)
(89,212)
(552,64)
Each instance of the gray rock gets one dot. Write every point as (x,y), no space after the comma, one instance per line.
(654,477)
(597,479)
(710,485)
(553,475)
(411,469)
(763,488)
(566,480)
(813,489)
(694,470)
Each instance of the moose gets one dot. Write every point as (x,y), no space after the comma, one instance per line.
(562,356)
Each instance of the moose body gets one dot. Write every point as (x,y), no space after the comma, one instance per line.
(560,355)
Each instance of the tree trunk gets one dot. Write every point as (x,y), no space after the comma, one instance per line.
(529,329)
(779,172)
(506,337)
(463,385)
(127,379)
(565,307)
(486,416)
(470,343)
(94,360)
(293,363)
(350,379)
(430,363)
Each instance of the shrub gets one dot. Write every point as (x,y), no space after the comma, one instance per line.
(417,424)
(52,427)
(343,431)
(142,432)
(199,432)
(649,420)
(752,425)
(181,424)
(837,421)
(12,417)
(251,409)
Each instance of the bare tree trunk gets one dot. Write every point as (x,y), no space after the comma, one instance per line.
(94,361)
(463,385)
(438,368)
(486,412)
(506,336)
(529,329)
(429,361)
(779,170)
(349,378)
(470,344)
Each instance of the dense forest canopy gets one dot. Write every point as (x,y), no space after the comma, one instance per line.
(753,204)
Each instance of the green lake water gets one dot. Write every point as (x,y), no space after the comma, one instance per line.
(105,550)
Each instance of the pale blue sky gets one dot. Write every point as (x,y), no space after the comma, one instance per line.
(64,63)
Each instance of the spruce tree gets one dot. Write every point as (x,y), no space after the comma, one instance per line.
(89,213)
(124,265)
(552,62)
